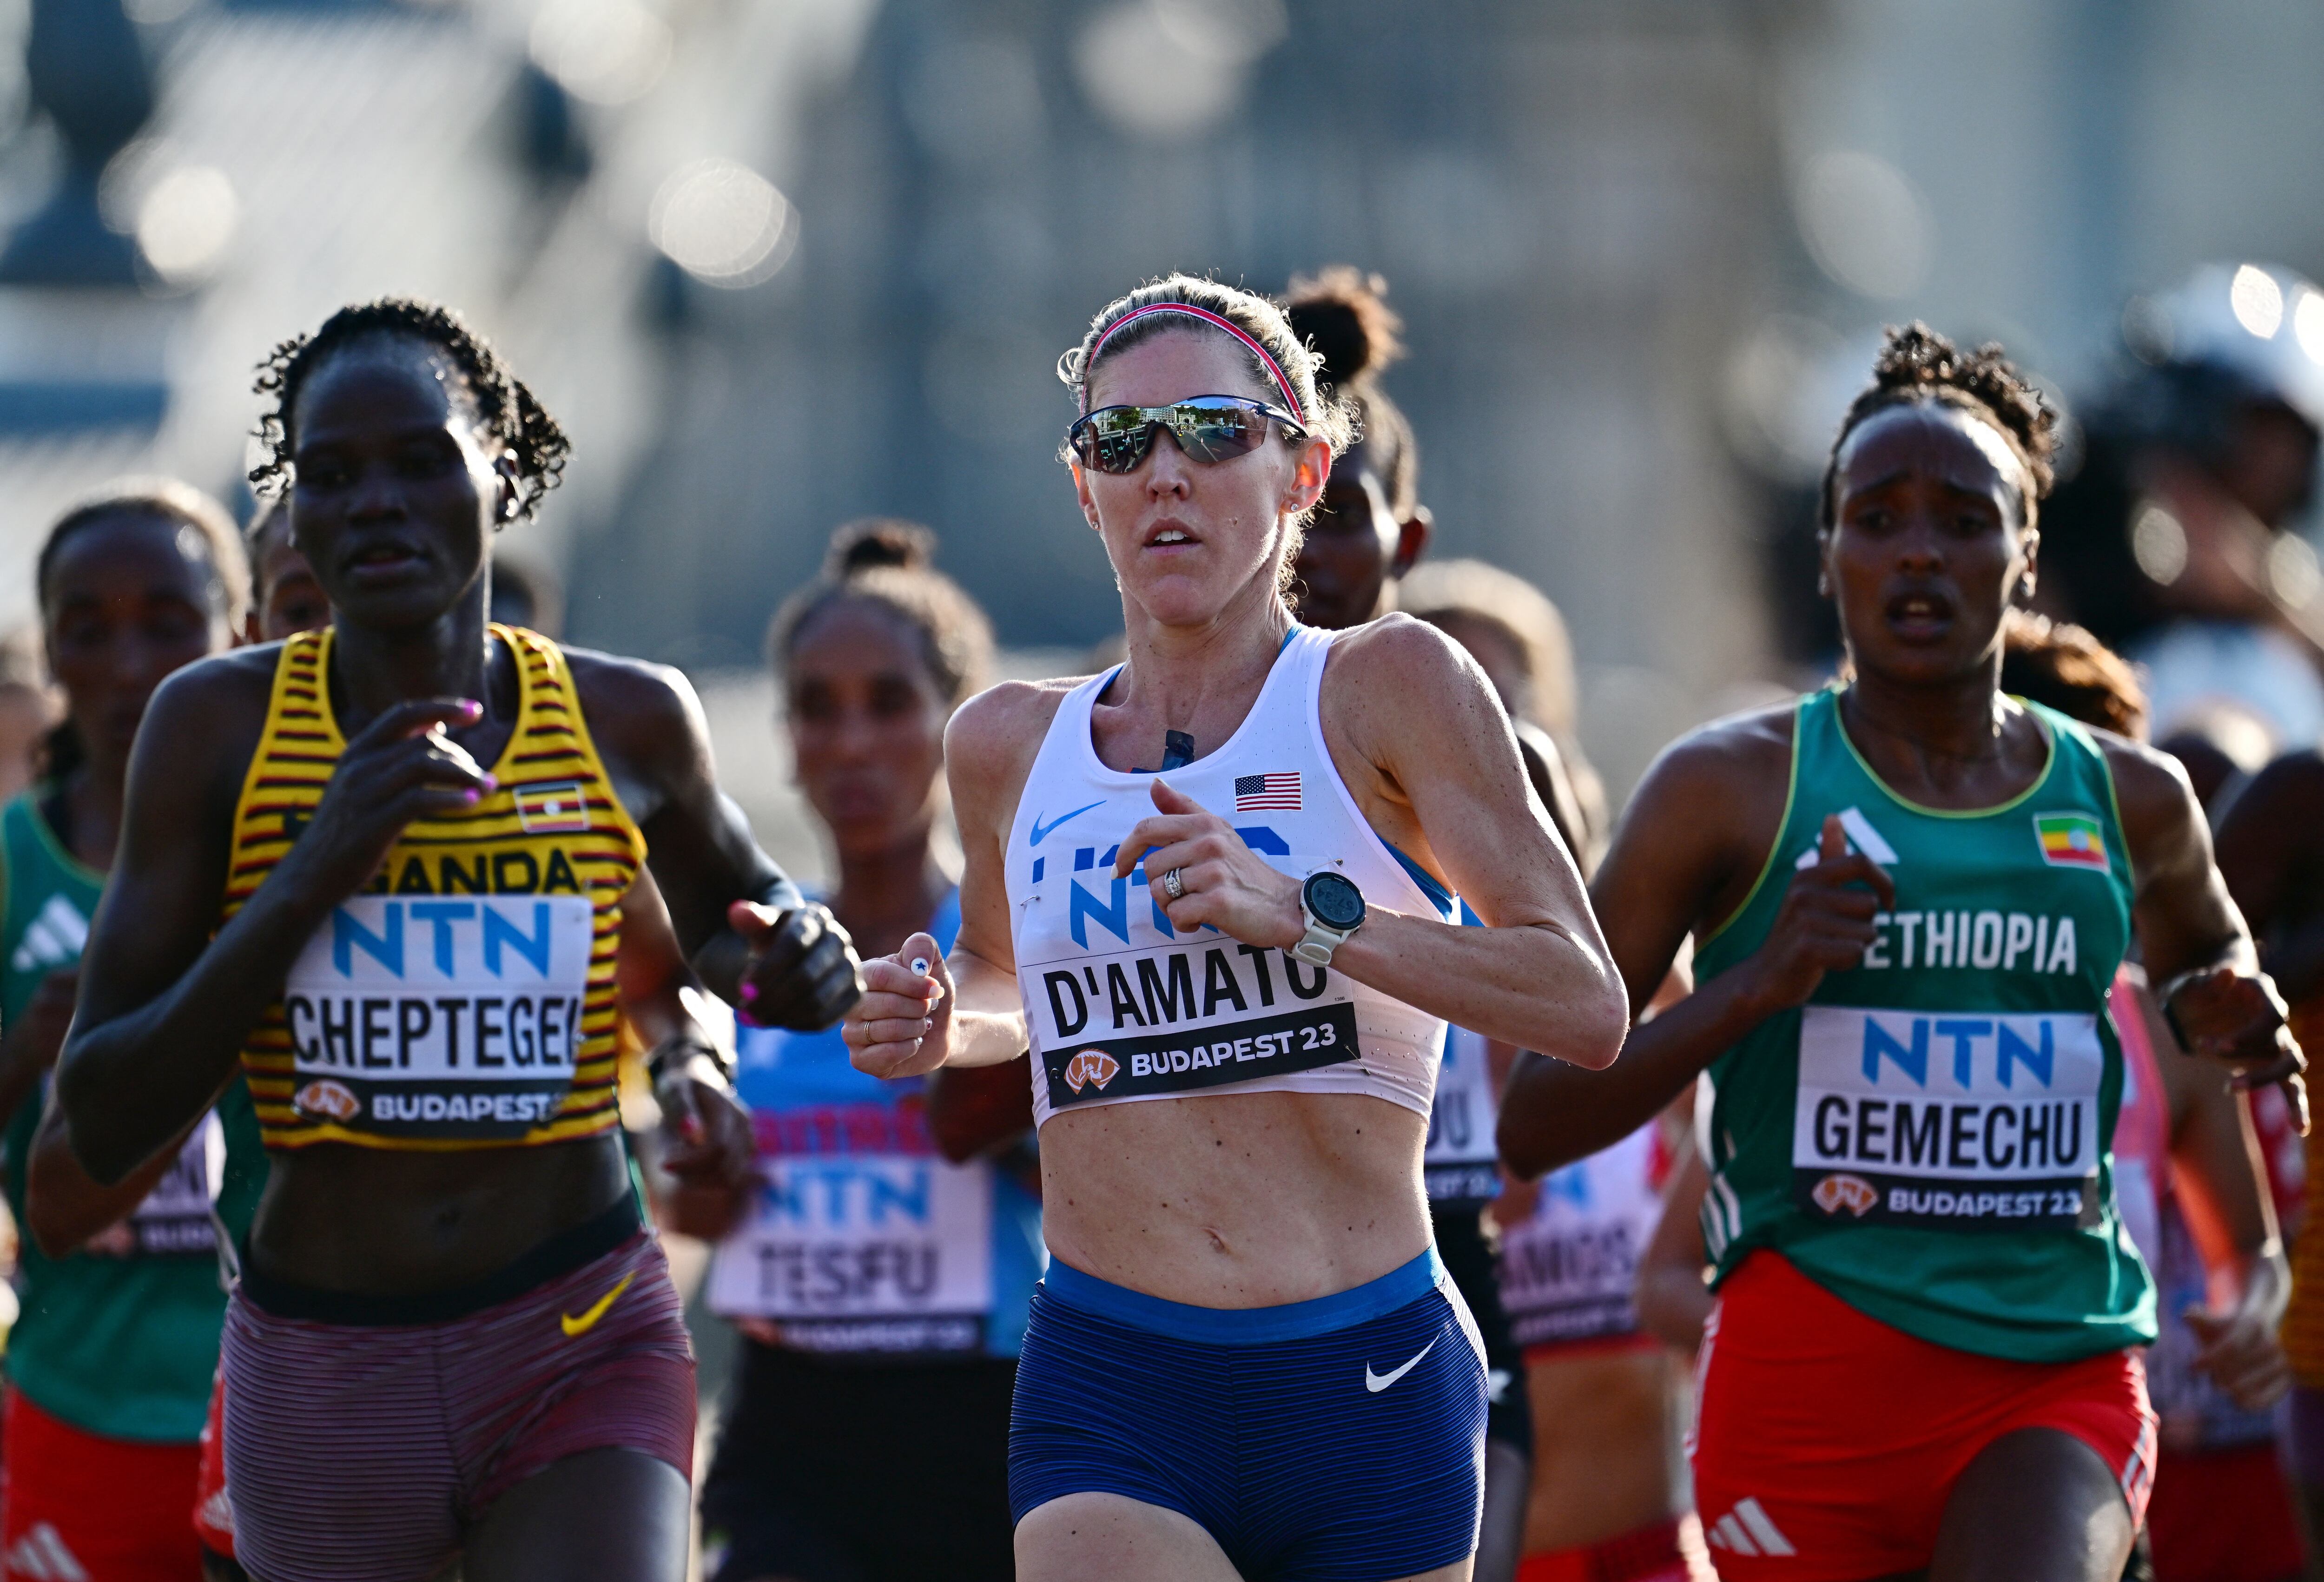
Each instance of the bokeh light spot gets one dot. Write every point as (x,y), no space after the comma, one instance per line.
(2258,301)
(723,223)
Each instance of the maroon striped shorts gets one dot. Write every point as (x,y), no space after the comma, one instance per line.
(360,1451)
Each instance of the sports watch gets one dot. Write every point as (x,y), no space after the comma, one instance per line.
(1332,908)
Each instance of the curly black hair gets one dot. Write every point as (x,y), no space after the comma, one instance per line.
(1918,364)
(505,408)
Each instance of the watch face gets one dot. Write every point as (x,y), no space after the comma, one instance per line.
(1336,902)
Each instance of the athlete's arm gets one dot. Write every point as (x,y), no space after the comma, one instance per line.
(1697,832)
(2220,1185)
(2268,854)
(780,959)
(706,1131)
(63,1206)
(165,1008)
(1673,1304)
(1410,705)
(966,1011)
(2201,958)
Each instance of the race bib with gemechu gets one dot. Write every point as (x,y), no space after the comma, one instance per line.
(441,1017)
(1960,1120)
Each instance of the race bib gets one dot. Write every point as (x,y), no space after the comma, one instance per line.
(175,1217)
(864,1252)
(1178,1018)
(1956,1120)
(1460,1163)
(440,1018)
(1568,1271)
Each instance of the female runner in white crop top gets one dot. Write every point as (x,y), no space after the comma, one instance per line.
(1238,1237)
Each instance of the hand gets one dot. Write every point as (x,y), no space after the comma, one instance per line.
(2227,1016)
(706,1132)
(802,972)
(902,1027)
(1225,883)
(1825,923)
(2239,1350)
(33,1040)
(400,768)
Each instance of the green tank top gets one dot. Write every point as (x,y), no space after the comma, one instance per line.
(1929,1137)
(123,1342)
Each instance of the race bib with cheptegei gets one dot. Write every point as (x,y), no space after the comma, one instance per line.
(441,1017)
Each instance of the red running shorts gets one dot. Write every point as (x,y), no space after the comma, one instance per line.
(1646,1554)
(1826,1442)
(73,1504)
(2224,1516)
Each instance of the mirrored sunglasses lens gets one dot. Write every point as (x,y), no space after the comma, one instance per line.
(1114,441)
(1217,434)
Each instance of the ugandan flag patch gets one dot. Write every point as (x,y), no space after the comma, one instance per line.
(552,809)
(2070,839)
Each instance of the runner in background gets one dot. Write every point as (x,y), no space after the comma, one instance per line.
(879,1272)
(28,709)
(286,598)
(1599,1428)
(2197,1199)
(1519,637)
(1370,528)
(109,1364)
(2272,850)
(1918,1361)
(1366,532)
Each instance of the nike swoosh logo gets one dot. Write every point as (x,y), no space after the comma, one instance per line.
(583,1323)
(1376,1383)
(1041,830)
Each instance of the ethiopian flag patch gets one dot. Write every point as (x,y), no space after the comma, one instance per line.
(2070,839)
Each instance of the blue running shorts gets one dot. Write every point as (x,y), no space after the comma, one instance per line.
(1336,1440)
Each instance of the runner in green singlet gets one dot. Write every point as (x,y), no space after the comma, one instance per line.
(1910,894)
(109,1366)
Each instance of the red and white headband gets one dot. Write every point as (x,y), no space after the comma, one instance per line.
(1275,369)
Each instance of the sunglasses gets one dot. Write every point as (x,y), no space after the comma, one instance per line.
(1208,429)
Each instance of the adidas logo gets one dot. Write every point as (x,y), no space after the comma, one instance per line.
(1861,837)
(1748,1531)
(42,1556)
(217,1512)
(54,937)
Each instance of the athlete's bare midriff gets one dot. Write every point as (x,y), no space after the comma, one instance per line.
(379,1222)
(1236,1200)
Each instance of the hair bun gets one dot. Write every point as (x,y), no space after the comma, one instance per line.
(1916,359)
(1341,314)
(874,542)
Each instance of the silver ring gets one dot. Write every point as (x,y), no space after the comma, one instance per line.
(1173,884)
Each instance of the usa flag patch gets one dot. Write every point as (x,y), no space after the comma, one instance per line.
(1267,793)
(552,809)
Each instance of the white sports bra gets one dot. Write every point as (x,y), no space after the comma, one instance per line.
(1120,1005)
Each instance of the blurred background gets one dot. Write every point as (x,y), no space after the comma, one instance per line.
(777,263)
